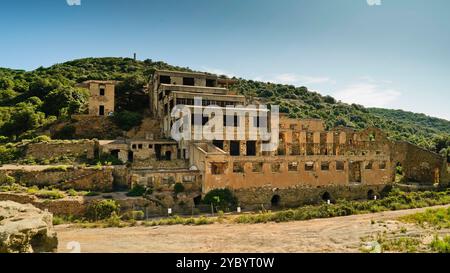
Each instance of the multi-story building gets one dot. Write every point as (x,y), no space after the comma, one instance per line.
(308,164)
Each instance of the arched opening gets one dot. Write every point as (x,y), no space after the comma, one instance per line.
(399,173)
(198,200)
(275,202)
(326,197)
(371,195)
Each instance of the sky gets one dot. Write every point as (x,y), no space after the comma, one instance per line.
(378,53)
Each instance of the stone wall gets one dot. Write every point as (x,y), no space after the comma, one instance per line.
(72,206)
(166,180)
(55,149)
(82,179)
(299,196)
(419,165)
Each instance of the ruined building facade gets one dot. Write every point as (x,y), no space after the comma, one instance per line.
(310,164)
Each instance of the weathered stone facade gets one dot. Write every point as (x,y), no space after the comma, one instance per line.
(83,179)
(102,97)
(56,149)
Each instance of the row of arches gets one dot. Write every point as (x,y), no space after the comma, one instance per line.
(326,197)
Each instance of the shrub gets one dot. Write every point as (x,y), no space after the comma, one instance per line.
(61,168)
(178,188)
(441,246)
(72,192)
(126,120)
(33,190)
(67,132)
(102,209)
(134,215)
(50,194)
(8,153)
(222,199)
(40,139)
(7,180)
(92,194)
(137,191)
(114,220)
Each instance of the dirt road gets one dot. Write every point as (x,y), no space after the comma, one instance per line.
(341,234)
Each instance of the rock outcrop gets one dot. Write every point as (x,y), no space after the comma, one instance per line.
(26,229)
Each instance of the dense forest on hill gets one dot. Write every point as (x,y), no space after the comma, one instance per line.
(32,100)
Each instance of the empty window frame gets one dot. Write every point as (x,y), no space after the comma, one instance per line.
(369,165)
(382,165)
(102,90)
(165,79)
(210,83)
(257,167)
(189,81)
(325,166)
(340,165)
(189,179)
(218,168)
(309,166)
(238,167)
(293,166)
(276,167)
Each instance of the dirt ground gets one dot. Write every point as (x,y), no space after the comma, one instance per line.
(341,234)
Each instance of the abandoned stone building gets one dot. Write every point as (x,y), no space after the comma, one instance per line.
(310,163)
(102,97)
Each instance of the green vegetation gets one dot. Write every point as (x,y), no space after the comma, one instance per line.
(396,200)
(402,244)
(178,188)
(299,102)
(30,101)
(221,199)
(438,218)
(441,245)
(137,191)
(126,120)
(176,220)
(62,168)
(50,194)
(102,209)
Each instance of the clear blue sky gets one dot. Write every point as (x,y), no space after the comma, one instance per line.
(394,55)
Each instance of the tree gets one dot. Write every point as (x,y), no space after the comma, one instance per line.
(126,120)
(25,118)
(129,94)
(75,100)
(6,83)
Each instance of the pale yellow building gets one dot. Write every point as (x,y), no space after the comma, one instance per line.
(102,97)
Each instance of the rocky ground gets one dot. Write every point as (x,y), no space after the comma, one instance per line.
(343,234)
(24,228)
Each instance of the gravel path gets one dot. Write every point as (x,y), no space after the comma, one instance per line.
(341,234)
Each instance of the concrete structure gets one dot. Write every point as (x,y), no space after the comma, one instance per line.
(310,163)
(102,97)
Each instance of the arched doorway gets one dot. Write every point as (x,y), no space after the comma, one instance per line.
(371,195)
(326,197)
(198,200)
(275,202)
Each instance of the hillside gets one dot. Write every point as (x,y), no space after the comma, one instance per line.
(32,100)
